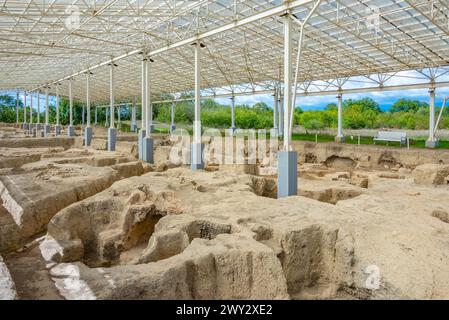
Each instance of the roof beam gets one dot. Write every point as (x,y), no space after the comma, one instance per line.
(443,84)
(226,27)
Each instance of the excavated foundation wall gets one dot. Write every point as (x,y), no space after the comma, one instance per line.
(374,157)
(64,142)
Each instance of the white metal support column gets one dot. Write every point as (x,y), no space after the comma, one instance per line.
(31,113)
(172,126)
(287,79)
(47,123)
(149,105)
(147,142)
(232,115)
(280,112)
(340,137)
(71,128)
(57,126)
(88,129)
(275,113)
(112,132)
(106,123)
(142,132)
(287,159)
(119,117)
(197,146)
(432,142)
(24,126)
(96,114)
(17,107)
(38,115)
(133,115)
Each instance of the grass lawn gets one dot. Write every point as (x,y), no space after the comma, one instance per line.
(414,143)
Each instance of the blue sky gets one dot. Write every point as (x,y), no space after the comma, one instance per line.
(384,99)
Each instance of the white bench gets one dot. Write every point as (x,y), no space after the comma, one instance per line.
(393,136)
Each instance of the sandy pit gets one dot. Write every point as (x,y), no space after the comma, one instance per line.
(84,223)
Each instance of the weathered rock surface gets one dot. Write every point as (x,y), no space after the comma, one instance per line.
(431,174)
(64,142)
(323,250)
(7,287)
(330,192)
(441,214)
(227,267)
(33,194)
(368,156)
(174,233)
(16,157)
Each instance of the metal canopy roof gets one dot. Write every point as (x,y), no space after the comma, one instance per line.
(44,42)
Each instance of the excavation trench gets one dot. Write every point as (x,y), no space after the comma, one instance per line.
(267,187)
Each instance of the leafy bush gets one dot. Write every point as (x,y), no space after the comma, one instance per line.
(362,113)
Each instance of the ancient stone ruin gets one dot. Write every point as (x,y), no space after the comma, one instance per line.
(86,223)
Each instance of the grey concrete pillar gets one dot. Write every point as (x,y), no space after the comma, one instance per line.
(112,138)
(147,149)
(57,130)
(71,131)
(142,135)
(197,161)
(88,136)
(47,130)
(287,173)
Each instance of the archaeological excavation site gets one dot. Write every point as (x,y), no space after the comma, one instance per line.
(82,222)
(119,181)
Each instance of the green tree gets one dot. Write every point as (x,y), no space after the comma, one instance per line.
(331,106)
(408,105)
(8,109)
(311,120)
(353,117)
(370,117)
(261,107)
(297,115)
(364,104)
